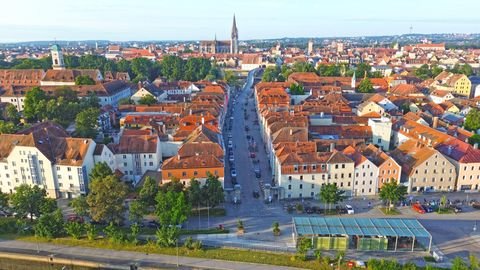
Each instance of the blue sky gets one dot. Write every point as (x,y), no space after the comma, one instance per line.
(26,20)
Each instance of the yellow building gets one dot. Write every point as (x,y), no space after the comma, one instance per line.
(456,83)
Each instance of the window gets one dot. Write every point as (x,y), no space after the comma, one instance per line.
(289,187)
(184,174)
(295,168)
(301,177)
(69,169)
(379,140)
(151,163)
(289,177)
(169,174)
(314,167)
(58,168)
(313,186)
(71,185)
(300,195)
(195,173)
(301,186)
(313,177)
(124,156)
(124,164)
(343,166)
(150,156)
(59,176)
(312,194)
(60,184)
(336,166)
(69,177)
(304,167)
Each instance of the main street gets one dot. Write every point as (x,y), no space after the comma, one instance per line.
(259,216)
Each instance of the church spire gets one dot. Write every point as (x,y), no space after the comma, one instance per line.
(234,37)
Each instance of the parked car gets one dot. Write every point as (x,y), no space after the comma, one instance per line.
(349,209)
(427,208)
(258,174)
(233,173)
(231,158)
(153,224)
(75,218)
(252,155)
(476,205)
(418,208)
(230,144)
(457,209)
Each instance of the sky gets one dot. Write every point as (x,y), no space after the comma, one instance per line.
(122,20)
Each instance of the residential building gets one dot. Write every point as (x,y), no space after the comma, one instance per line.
(340,172)
(365,176)
(456,83)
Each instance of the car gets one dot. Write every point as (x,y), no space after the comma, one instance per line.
(427,208)
(418,208)
(457,209)
(231,158)
(75,218)
(230,135)
(349,209)
(152,224)
(230,144)
(309,210)
(233,173)
(252,154)
(258,174)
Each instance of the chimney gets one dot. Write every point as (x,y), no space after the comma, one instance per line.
(203,121)
(435,122)
(332,147)
(178,156)
(291,132)
(475,146)
(190,111)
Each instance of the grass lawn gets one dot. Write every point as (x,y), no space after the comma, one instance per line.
(208,253)
(444,211)
(214,212)
(391,212)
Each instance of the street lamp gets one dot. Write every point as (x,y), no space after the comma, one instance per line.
(475,226)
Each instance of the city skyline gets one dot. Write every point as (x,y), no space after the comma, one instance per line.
(188,20)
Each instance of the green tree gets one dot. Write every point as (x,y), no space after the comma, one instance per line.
(270,74)
(365,86)
(443,202)
(303,246)
(147,100)
(134,232)
(172,210)
(84,80)
(472,121)
(7,127)
(296,89)
(474,264)
(459,264)
(423,72)
(362,70)
(106,199)
(231,78)
(50,225)
(213,191)
(124,101)
(174,185)
(74,229)
(79,205)
(86,123)
(436,70)
(149,191)
(100,171)
(463,69)
(195,193)
(28,200)
(11,114)
(48,205)
(392,192)
(67,93)
(124,66)
(330,194)
(136,211)
(475,138)
(32,103)
(4,198)
(113,233)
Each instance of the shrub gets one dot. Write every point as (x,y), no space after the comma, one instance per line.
(92,231)
(188,243)
(74,229)
(113,234)
(197,245)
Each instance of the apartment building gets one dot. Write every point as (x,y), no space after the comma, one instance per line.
(365,175)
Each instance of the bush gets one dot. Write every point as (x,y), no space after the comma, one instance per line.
(197,245)
(114,234)
(188,243)
(92,231)
(8,225)
(74,229)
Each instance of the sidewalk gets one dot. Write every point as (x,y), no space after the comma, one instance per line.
(123,259)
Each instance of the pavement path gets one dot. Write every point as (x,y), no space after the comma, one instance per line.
(123,259)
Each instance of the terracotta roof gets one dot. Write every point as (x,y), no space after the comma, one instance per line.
(290,134)
(137,144)
(339,157)
(21,77)
(191,162)
(354,155)
(69,75)
(404,90)
(412,154)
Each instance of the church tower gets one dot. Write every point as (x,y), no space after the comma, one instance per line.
(57,57)
(234,40)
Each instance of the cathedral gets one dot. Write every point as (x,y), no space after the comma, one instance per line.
(222,46)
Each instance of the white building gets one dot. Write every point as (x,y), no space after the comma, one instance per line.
(381,132)
(365,176)
(44,155)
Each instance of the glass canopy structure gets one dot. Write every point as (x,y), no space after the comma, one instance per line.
(388,234)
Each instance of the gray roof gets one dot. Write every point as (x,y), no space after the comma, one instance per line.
(309,226)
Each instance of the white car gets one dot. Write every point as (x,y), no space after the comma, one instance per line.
(230,144)
(350,210)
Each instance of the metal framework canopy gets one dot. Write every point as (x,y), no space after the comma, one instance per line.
(310,227)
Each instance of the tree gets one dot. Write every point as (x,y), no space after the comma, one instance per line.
(459,264)
(148,192)
(472,121)
(86,123)
(50,225)
(172,210)
(392,192)
(124,101)
(32,106)
(28,200)
(84,80)
(4,197)
(423,72)
(296,89)
(174,185)
(7,127)
(106,199)
(475,138)
(365,86)
(474,264)
(79,205)
(67,93)
(11,114)
(303,245)
(74,229)
(436,70)
(136,211)
(330,194)
(195,193)
(270,74)
(213,191)
(100,171)
(49,205)
(147,100)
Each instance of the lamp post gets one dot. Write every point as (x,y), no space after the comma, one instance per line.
(177,252)
(475,226)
